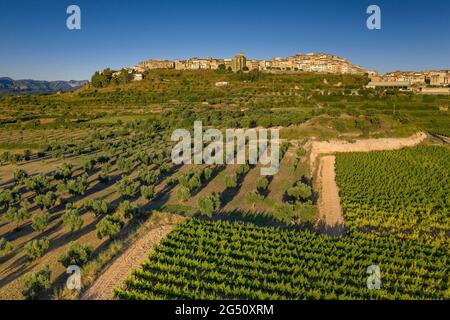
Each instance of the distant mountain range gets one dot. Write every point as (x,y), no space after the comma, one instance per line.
(20,87)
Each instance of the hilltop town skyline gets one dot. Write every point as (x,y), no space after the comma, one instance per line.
(127,33)
(321,62)
(367,68)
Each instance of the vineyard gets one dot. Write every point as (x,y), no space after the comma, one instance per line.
(405,193)
(81,172)
(232,260)
(396,209)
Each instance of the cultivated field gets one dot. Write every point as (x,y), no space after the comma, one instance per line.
(87,179)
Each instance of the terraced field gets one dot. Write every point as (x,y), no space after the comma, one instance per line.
(396,210)
(81,173)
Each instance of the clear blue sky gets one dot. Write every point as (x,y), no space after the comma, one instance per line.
(36,44)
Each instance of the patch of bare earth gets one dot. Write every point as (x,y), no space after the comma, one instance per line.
(365,145)
(330,210)
(114,276)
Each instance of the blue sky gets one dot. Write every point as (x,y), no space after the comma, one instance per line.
(36,44)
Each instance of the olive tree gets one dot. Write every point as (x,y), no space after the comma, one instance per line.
(36,283)
(77,254)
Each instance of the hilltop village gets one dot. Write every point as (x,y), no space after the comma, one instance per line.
(311,62)
(427,82)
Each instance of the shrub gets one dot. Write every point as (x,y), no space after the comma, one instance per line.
(242,169)
(125,165)
(147,177)
(109,226)
(20,176)
(47,201)
(284,212)
(300,191)
(301,152)
(183,193)
(165,168)
(126,187)
(103,177)
(88,164)
(77,186)
(128,209)
(27,154)
(207,173)
(64,172)
(231,181)
(40,221)
(253,197)
(207,205)
(98,207)
(72,219)
(194,182)
(77,255)
(148,192)
(36,248)
(5,247)
(16,215)
(36,283)
(38,184)
(262,184)
(183,180)
(8,198)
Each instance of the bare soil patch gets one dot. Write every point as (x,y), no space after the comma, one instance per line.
(330,210)
(114,276)
(366,145)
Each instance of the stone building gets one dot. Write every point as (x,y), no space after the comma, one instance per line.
(157,64)
(439,79)
(239,62)
(311,62)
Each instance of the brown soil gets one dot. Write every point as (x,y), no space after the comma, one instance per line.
(324,147)
(113,277)
(330,211)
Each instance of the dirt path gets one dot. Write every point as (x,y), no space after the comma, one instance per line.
(330,210)
(121,268)
(365,145)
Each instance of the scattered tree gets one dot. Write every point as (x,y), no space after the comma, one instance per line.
(39,222)
(109,226)
(128,209)
(36,283)
(20,176)
(98,207)
(47,201)
(148,192)
(5,247)
(231,181)
(16,215)
(64,172)
(36,248)
(8,198)
(300,192)
(126,187)
(183,193)
(71,219)
(38,184)
(77,255)
(207,205)
(262,184)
